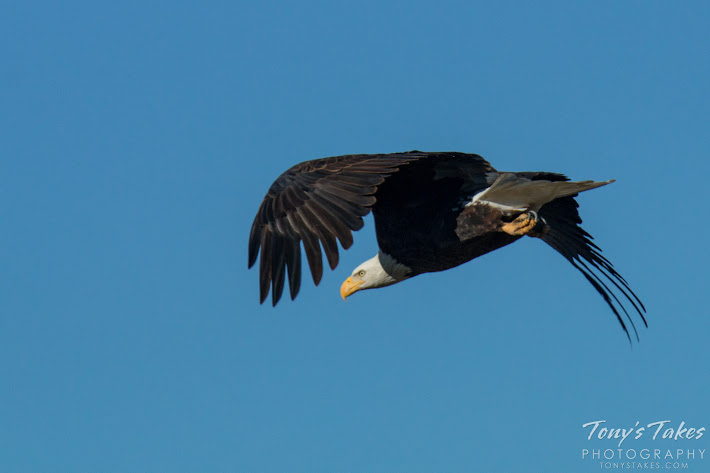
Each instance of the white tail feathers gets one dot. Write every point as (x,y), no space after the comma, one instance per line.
(514,193)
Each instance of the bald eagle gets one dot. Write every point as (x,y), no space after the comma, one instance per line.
(433,211)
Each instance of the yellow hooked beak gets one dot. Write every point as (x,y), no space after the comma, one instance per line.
(349,286)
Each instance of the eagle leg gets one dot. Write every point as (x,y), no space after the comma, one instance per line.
(528,223)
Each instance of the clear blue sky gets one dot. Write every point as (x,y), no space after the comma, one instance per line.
(137,140)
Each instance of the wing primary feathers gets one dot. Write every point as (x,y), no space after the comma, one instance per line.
(603,265)
(331,248)
(310,243)
(277,267)
(331,222)
(293,265)
(606,299)
(254,242)
(337,207)
(313,256)
(610,268)
(293,198)
(600,287)
(359,179)
(570,248)
(322,232)
(265,265)
(346,194)
(612,294)
(608,271)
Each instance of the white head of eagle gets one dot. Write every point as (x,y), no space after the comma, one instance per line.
(379,271)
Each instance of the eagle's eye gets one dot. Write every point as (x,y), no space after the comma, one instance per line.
(361,273)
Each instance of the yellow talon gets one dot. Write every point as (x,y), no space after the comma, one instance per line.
(525,224)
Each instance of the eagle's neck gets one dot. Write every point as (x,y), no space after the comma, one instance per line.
(388,270)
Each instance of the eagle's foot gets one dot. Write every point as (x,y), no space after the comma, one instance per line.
(528,223)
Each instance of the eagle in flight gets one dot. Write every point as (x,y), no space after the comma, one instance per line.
(433,211)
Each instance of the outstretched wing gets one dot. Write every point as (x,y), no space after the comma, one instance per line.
(575,244)
(315,202)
